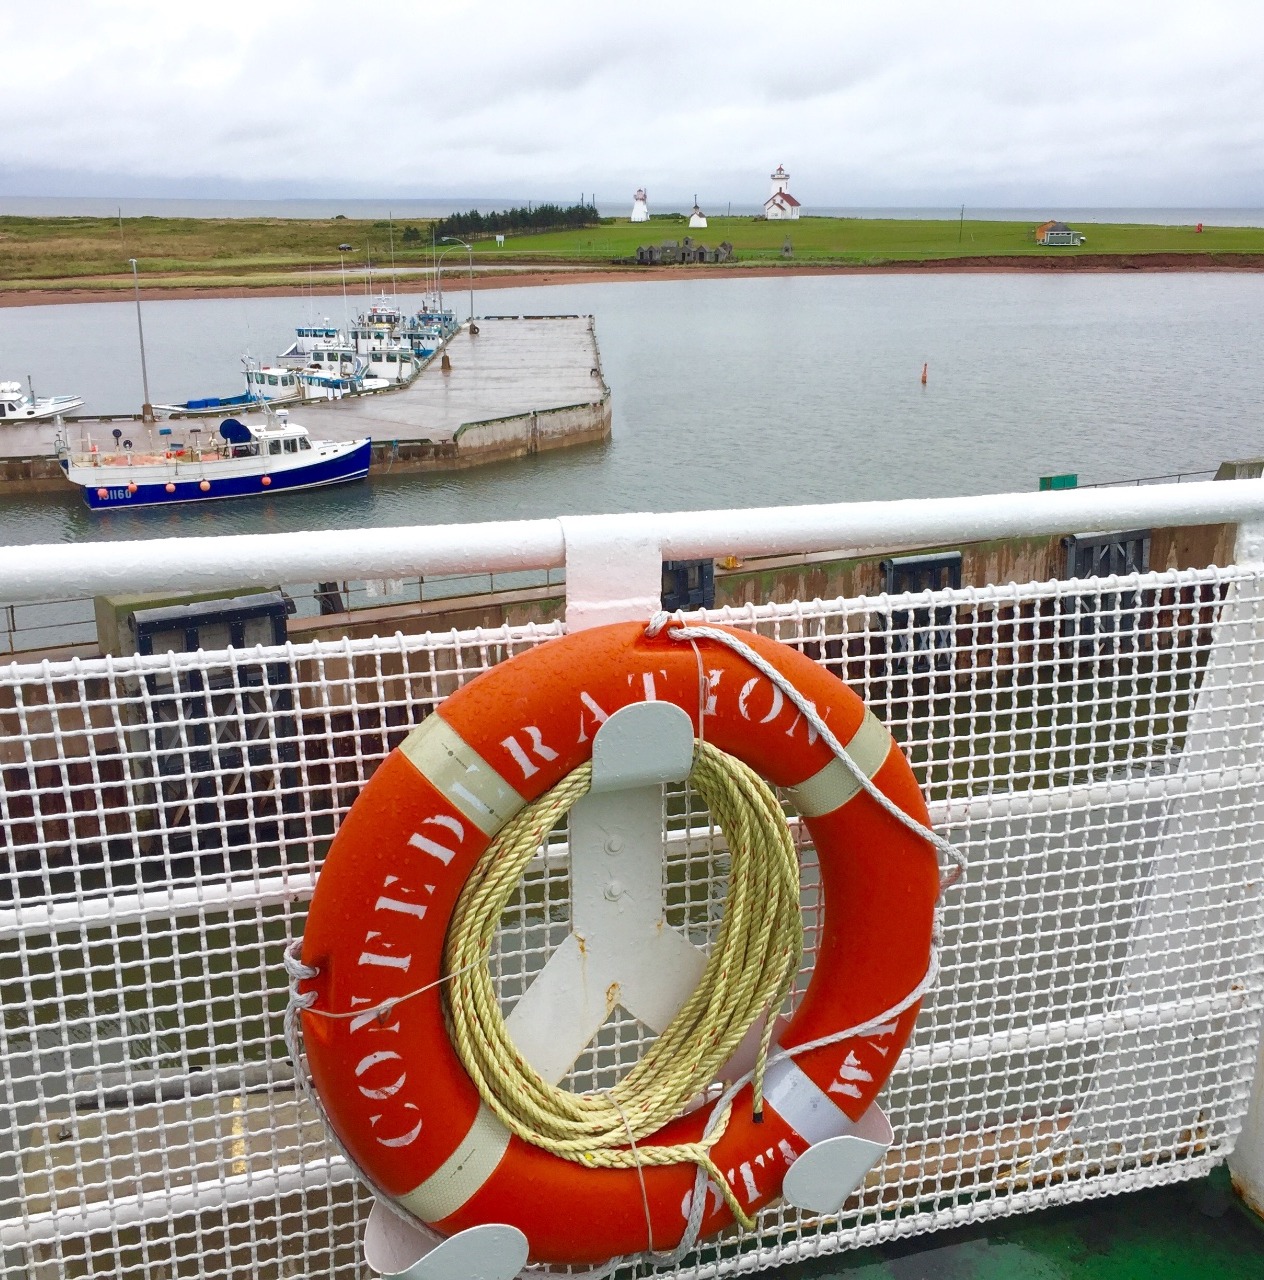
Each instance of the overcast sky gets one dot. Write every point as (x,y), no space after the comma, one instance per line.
(1061,103)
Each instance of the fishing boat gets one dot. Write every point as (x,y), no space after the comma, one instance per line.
(17,405)
(270,383)
(308,338)
(333,379)
(384,326)
(242,460)
(427,329)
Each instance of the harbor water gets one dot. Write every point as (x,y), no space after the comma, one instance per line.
(734,393)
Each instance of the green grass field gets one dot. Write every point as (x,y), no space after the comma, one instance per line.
(872,240)
(92,253)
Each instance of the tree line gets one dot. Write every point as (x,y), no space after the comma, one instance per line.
(540,217)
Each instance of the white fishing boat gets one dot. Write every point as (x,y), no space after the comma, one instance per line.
(242,460)
(384,356)
(308,338)
(17,405)
(427,329)
(272,383)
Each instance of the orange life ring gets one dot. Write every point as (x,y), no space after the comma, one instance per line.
(393,1086)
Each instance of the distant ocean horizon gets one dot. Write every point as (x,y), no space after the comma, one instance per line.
(402,210)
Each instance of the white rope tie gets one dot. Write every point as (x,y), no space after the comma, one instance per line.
(300,1002)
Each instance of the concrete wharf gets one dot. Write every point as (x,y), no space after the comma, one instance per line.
(518,385)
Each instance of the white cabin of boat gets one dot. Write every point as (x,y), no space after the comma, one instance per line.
(278,435)
(272,382)
(17,405)
(306,338)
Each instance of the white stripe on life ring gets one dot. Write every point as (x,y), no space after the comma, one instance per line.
(464,1172)
(802,1103)
(835,785)
(461,775)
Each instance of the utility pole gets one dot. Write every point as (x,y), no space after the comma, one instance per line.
(961,226)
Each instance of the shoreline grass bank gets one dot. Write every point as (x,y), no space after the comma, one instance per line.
(73,259)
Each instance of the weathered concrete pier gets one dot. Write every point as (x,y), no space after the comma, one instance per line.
(519,385)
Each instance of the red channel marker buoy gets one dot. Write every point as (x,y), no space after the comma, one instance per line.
(924,368)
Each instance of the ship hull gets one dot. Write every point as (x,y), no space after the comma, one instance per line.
(108,487)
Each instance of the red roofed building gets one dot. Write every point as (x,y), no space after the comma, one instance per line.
(781,204)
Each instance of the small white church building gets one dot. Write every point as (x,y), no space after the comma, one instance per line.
(640,206)
(781,204)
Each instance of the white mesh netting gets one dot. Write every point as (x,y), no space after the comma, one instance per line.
(1093,746)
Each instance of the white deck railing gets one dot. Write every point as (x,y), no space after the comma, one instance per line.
(1093,746)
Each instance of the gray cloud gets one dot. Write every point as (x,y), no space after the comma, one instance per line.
(865,104)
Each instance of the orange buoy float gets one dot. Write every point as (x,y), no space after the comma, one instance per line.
(265,481)
(205,486)
(391,1081)
(170,488)
(924,369)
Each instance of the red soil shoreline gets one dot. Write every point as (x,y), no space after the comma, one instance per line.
(1098,263)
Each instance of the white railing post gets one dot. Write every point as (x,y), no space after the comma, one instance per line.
(1246,1161)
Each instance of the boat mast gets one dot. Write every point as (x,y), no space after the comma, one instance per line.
(146,409)
(390,223)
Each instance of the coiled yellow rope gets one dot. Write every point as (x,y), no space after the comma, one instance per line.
(748,975)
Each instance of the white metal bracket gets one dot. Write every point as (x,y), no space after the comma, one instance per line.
(825,1175)
(400,1250)
(614,570)
(619,952)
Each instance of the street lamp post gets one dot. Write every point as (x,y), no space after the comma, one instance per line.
(439,274)
(470,250)
(146,409)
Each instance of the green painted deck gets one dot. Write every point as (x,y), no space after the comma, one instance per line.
(1191,1231)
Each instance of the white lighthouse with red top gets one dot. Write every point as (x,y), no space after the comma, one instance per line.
(781,204)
